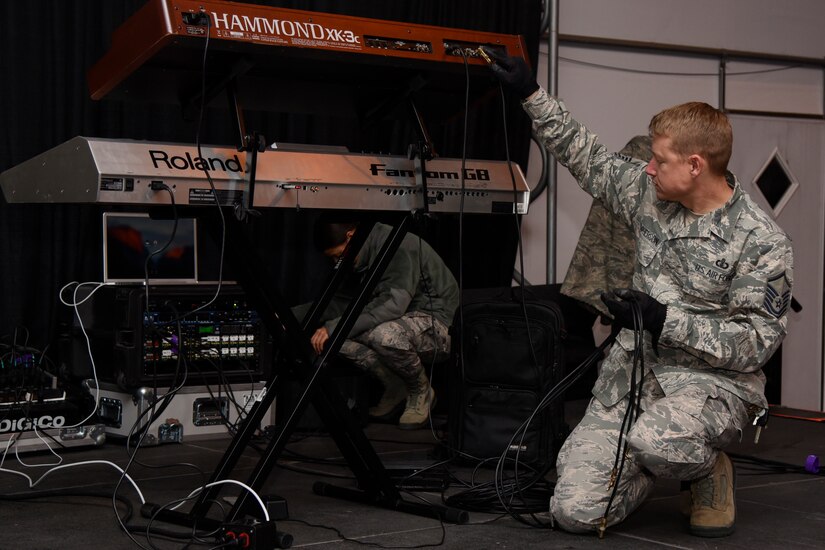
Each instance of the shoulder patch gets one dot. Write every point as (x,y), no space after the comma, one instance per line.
(777,295)
(623,157)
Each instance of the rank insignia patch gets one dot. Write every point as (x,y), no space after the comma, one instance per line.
(777,295)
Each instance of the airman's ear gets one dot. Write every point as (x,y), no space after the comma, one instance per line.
(697,165)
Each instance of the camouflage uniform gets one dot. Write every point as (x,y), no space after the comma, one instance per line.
(726,279)
(404,345)
(603,259)
(408,315)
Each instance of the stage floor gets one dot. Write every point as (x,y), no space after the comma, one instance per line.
(775,509)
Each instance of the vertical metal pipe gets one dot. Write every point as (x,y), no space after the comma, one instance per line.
(552,89)
(722,77)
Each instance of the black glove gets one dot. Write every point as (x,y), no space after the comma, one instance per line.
(513,72)
(620,303)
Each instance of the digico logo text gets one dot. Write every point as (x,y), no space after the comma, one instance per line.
(23,424)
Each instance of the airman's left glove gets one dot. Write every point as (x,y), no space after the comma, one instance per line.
(513,72)
(621,301)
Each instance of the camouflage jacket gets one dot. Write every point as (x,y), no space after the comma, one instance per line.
(725,276)
(416,279)
(603,259)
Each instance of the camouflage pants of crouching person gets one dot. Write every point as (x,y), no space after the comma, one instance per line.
(403,346)
(678,436)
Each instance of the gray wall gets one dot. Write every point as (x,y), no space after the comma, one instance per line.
(790,27)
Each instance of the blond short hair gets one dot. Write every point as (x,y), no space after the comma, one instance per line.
(697,128)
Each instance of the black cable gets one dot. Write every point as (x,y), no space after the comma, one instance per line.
(771,466)
(462,194)
(192,536)
(518,232)
(313,460)
(497,496)
(32,377)
(407,484)
(461,327)
(220,272)
(316,473)
(156,187)
(229,394)
(521,284)
(461,212)
(429,295)
(462,188)
(345,538)
(504,484)
(516,219)
(460,331)
(145,432)
(489,497)
(69,492)
(634,398)
(174,387)
(670,73)
(206,171)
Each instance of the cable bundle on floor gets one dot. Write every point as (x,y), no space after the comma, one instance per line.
(517,488)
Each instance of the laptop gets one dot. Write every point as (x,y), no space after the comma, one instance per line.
(130,238)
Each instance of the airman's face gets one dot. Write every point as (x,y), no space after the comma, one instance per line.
(337,251)
(670,172)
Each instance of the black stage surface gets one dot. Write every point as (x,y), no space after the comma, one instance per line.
(775,509)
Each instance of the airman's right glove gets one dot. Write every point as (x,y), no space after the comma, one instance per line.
(622,301)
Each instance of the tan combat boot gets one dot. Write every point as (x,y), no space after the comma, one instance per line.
(713,510)
(420,399)
(393,398)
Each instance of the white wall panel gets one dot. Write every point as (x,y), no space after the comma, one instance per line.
(760,87)
(790,27)
(801,143)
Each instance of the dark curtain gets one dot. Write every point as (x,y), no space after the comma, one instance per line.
(46,48)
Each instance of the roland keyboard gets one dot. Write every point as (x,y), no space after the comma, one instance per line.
(130,172)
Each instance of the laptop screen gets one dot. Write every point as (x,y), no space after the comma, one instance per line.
(130,238)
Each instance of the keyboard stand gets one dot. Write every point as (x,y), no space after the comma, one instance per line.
(375,485)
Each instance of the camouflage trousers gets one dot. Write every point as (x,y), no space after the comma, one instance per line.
(677,436)
(403,346)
